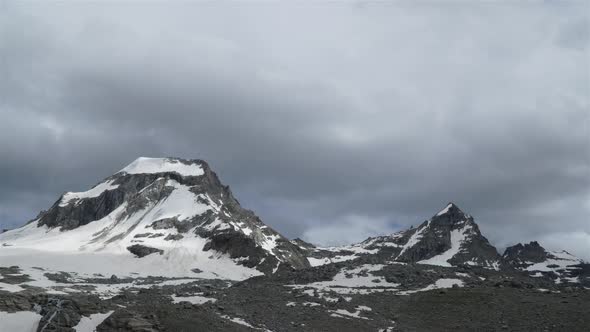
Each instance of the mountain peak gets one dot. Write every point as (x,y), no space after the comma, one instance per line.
(146,165)
(173,207)
(451,214)
(529,252)
(451,208)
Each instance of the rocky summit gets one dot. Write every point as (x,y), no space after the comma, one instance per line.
(163,245)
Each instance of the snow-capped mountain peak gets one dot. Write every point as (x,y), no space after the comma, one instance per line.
(449,238)
(168,207)
(447,209)
(451,214)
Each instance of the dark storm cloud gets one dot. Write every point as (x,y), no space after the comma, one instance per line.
(333,122)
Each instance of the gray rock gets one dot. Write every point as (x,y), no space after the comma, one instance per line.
(142,251)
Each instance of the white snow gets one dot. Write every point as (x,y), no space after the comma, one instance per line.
(104,291)
(345,313)
(311,304)
(359,280)
(21,321)
(448,283)
(270,242)
(458,236)
(440,283)
(356,249)
(10,287)
(562,261)
(87,265)
(94,192)
(145,165)
(323,261)
(240,321)
(572,279)
(89,324)
(100,246)
(494,265)
(414,239)
(445,210)
(195,299)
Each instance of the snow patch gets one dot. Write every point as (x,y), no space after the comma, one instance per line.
(414,239)
(21,321)
(458,236)
(89,324)
(145,165)
(11,288)
(360,280)
(561,260)
(96,191)
(195,299)
(440,283)
(341,313)
(445,210)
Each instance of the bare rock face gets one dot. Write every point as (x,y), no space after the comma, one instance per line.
(529,252)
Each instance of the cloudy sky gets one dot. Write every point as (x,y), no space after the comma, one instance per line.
(332,121)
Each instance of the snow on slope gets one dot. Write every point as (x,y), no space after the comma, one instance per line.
(458,236)
(440,283)
(89,324)
(445,210)
(89,267)
(116,231)
(359,280)
(94,192)
(356,250)
(105,241)
(561,264)
(145,165)
(22,321)
(414,239)
(195,299)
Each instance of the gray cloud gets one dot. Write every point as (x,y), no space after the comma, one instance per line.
(333,122)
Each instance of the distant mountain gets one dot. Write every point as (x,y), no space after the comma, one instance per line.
(171,207)
(538,262)
(177,211)
(449,238)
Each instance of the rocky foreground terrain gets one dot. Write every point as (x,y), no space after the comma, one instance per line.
(162,245)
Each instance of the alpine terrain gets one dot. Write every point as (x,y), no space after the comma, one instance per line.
(163,245)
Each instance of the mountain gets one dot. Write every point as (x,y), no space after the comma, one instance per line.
(449,238)
(174,208)
(538,262)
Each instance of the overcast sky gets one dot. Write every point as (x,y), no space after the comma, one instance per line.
(332,121)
